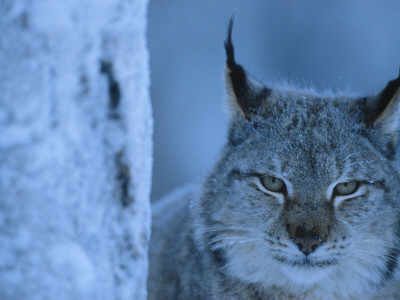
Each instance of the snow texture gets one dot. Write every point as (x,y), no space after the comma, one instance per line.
(75,149)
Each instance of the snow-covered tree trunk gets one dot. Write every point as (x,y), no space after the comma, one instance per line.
(75,149)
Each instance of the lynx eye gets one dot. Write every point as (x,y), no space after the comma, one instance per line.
(346,188)
(273,184)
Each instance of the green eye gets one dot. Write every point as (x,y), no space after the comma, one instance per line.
(273,184)
(346,188)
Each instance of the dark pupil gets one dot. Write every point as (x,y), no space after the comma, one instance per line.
(345,184)
(273,180)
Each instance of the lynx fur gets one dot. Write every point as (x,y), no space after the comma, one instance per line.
(304,202)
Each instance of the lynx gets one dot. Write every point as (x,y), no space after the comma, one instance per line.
(304,202)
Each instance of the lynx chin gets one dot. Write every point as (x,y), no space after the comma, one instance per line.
(304,202)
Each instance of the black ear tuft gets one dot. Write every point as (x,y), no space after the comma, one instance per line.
(376,107)
(247,93)
(382,112)
(230,54)
(236,72)
(386,96)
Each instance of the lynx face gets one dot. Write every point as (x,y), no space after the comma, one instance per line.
(307,192)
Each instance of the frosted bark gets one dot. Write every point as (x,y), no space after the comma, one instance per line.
(75,149)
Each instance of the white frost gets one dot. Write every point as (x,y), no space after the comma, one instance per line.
(70,262)
(75,173)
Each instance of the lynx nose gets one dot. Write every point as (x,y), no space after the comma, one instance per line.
(307,244)
(307,237)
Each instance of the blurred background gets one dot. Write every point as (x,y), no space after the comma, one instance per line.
(341,45)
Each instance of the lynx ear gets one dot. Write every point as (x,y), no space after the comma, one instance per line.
(383,112)
(246,93)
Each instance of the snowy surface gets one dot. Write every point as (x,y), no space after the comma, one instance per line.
(75,170)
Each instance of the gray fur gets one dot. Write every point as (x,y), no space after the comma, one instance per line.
(231,239)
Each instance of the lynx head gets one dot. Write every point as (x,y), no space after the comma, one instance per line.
(307,192)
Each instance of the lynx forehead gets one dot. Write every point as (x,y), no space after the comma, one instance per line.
(304,202)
